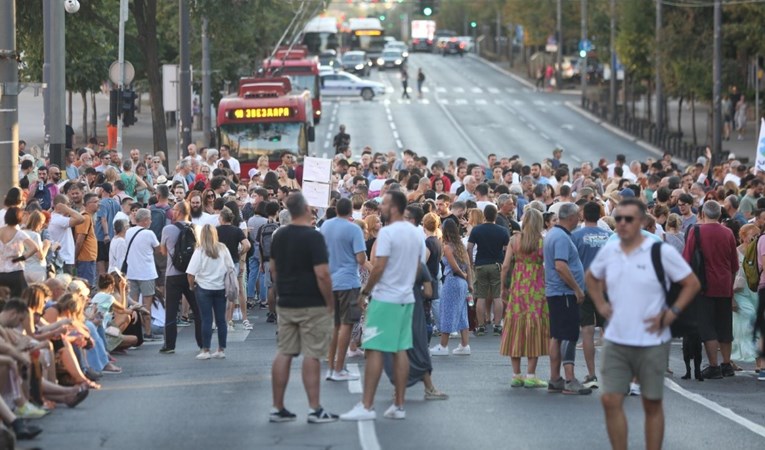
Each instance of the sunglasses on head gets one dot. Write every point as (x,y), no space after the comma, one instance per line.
(628,219)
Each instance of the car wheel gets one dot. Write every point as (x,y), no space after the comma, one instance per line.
(367,94)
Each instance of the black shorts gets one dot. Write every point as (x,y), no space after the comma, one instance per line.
(715,318)
(564,317)
(103,251)
(589,315)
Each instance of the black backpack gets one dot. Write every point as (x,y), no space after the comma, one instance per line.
(158,219)
(265,236)
(686,323)
(184,246)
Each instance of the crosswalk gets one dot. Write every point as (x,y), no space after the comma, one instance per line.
(460,101)
(474,90)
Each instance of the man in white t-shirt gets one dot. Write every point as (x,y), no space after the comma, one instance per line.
(192,148)
(638,335)
(400,249)
(60,227)
(225,155)
(141,271)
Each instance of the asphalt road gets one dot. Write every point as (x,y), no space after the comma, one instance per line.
(470,109)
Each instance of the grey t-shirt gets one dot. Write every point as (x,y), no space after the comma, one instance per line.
(169,237)
(253,226)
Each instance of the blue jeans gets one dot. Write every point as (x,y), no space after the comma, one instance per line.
(87,271)
(97,356)
(255,278)
(212,302)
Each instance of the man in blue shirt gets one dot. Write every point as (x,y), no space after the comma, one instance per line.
(104,225)
(588,240)
(564,278)
(347,251)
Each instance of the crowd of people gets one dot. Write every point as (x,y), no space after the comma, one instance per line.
(105,253)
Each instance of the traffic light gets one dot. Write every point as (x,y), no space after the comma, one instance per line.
(114,106)
(473,24)
(382,17)
(427,7)
(127,105)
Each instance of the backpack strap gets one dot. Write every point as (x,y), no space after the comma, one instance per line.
(658,267)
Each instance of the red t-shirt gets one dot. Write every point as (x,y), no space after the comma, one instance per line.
(718,247)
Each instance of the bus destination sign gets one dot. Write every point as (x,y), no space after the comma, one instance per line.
(278,112)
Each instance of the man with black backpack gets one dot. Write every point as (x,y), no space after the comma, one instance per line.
(264,238)
(161,216)
(637,338)
(177,245)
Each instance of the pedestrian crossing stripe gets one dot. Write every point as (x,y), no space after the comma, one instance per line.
(493,90)
(441,89)
(425,101)
(480,101)
(477,90)
(459,89)
(539,104)
(443,101)
(460,101)
(425,89)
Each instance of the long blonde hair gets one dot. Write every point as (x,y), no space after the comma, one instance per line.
(208,241)
(531,230)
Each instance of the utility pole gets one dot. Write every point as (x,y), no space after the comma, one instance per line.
(54,91)
(123,16)
(612,45)
(499,33)
(206,106)
(184,78)
(9,100)
(660,119)
(717,80)
(559,53)
(583,65)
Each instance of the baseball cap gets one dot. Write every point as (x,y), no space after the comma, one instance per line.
(627,193)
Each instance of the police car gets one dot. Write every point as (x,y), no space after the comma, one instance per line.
(349,85)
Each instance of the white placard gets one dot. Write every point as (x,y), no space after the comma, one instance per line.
(760,156)
(316,194)
(317,169)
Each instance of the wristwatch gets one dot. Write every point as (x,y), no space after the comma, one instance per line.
(675,310)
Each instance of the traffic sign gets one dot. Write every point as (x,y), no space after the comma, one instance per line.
(585,45)
(115,73)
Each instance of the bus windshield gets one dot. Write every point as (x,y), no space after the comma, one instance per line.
(304,83)
(248,141)
(318,42)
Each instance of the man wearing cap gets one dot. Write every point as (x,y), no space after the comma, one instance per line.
(557,154)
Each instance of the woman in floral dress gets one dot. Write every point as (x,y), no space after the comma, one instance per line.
(527,322)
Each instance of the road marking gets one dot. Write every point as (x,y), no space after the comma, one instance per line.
(477,90)
(443,101)
(480,101)
(329,134)
(522,119)
(441,89)
(424,101)
(459,90)
(531,127)
(386,101)
(725,412)
(425,89)
(574,157)
(459,129)
(392,125)
(460,101)
(354,386)
(518,102)
(539,102)
(511,90)
(544,136)
(395,134)
(326,143)
(567,126)
(493,90)
(324,155)
(399,144)
(499,102)
(367,433)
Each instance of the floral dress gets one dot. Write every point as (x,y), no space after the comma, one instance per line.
(527,319)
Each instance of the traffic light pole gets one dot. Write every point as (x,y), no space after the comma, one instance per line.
(583,71)
(184,95)
(121,63)
(9,100)
(717,81)
(54,91)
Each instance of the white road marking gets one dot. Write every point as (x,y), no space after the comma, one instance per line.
(522,119)
(518,102)
(531,126)
(480,101)
(493,90)
(499,102)
(399,144)
(539,102)
(459,90)
(477,90)
(367,433)
(329,134)
(354,386)
(395,134)
(424,101)
(574,157)
(544,136)
(326,144)
(441,89)
(425,89)
(460,101)
(725,412)
(392,125)
(386,101)
(443,101)
(567,126)
(557,102)
(511,90)
(324,155)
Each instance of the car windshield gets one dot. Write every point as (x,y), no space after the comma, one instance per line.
(350,77)
(393,54)
(248,141)
(352,58)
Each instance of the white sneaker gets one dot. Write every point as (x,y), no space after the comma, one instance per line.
(231,326)
(461,350)
(246,325)
(395,412)
(634,389)
(203,356)
(329,374)
(218,355)
(343,375)
(354,353)
(439,350)
(359,413)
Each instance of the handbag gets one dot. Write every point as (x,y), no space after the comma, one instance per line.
(231,279)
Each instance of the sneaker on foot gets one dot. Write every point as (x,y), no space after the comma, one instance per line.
(727,370)
(574,387)
(354,353)
(359,413)
(246,325)
(439,350)
(218,355)
(319,415)
(231,326)
(30,411)
(460,350)
(556,386)
(761,375)
(167,351)
(534,383)
(343,375)
(591,382)
(204,356)
(517,381)
(712,373)
(497,330)
(435,394)
(281,415)
(480,331)
(395,412)
(23,430)
(329,374)
(634,389)
(271,317)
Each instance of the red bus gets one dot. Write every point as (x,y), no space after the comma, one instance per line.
(265,118)
(302,69)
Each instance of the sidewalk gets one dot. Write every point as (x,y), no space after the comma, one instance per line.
(745,148)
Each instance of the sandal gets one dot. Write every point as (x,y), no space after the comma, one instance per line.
(111,368)
(78,398)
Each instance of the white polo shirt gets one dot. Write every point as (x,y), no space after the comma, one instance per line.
(634,291)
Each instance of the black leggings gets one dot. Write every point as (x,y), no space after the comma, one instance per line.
(175,287)
(14,281)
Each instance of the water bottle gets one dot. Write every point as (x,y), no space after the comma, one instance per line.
(470,300)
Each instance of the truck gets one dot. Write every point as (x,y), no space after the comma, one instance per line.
(423,32)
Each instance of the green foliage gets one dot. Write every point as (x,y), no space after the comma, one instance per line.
(687,52)
(635,38)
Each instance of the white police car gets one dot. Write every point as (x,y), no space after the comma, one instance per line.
(349,85)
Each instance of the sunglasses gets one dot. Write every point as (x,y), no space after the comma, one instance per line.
(628,219)
(210,195)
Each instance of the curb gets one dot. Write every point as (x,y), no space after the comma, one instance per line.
(503,71)
(621,133)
